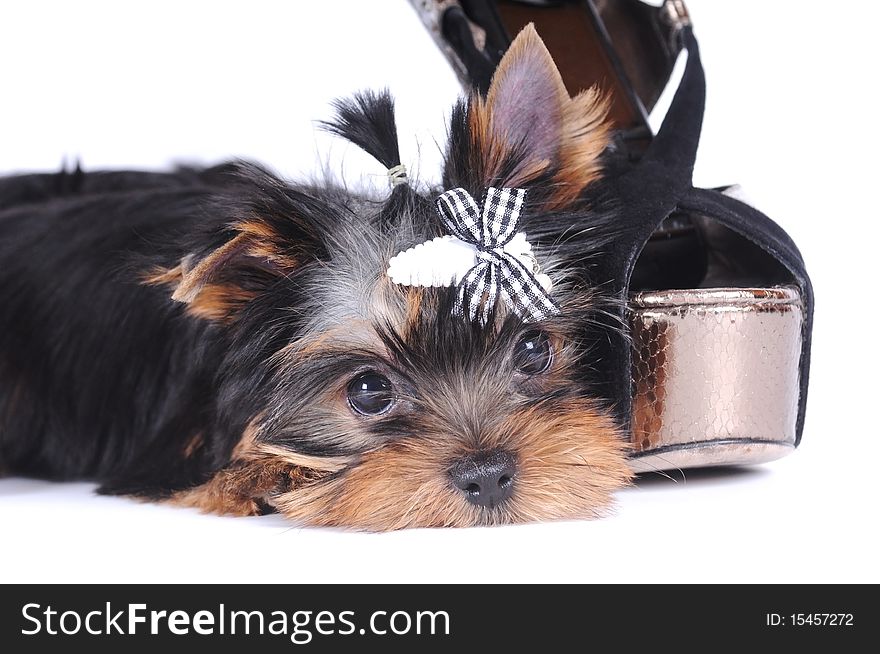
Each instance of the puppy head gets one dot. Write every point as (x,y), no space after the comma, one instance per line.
(372,405)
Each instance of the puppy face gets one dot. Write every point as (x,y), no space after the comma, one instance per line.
(372,405)
(451,424)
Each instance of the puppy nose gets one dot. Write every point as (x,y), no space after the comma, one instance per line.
(485,478)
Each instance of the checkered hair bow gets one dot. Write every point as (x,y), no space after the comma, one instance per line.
(498,271)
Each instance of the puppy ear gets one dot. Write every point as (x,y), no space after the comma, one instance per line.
(217,283)
(529,126)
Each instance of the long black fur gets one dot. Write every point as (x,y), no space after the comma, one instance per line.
(104,377)
(367,120)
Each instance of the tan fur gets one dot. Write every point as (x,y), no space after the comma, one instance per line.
(569,463)
(216,302)
(158,276)
(219,302)
(257,470)
(194,280)
(239,488)
(586,133)
(263,244)
(492,150)
(256,229)
(584,129)
(414,302)
(193,445)
(488,149)
(205,290)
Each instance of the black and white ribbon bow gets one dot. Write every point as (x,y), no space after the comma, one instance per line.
(497,272)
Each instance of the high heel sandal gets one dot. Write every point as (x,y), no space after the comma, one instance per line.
(714,368)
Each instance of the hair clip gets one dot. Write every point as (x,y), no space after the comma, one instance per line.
(484,255)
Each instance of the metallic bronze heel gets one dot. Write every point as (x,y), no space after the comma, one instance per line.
(715,376)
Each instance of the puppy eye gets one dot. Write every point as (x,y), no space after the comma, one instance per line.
(370,394)
(533,353)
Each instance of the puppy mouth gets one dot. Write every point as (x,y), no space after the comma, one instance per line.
(537,467)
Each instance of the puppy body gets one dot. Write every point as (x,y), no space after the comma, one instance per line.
(215,337)
(101,375)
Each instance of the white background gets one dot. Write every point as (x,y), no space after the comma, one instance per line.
(791,115)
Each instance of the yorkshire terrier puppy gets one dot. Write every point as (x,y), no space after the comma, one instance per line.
(225,340)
